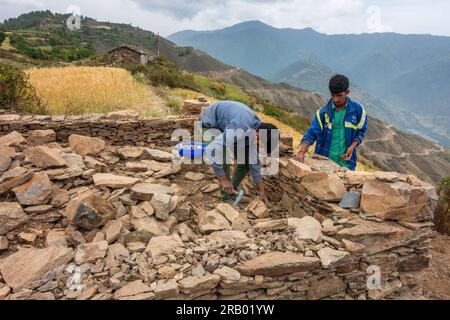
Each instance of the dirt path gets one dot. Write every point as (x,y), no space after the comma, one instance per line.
(390,136)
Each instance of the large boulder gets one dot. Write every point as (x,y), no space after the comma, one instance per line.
(90,211)
(398,201)
(44,157)
(86,145)
(324,186)
(375,237)
(36,191)
(12,216)
(25,268)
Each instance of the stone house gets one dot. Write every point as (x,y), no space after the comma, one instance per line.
(130,55)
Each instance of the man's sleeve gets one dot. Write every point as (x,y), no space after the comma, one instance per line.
(362,127)
(314,131)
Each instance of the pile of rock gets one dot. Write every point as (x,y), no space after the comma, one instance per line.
(194,107)
(84,220)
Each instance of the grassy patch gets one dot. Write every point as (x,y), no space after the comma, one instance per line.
(81,90)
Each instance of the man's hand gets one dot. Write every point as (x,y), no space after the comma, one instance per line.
(227,186)
(301,154)
(300,157)
(348,155)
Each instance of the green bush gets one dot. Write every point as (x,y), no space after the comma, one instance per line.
(16,91)
(165,73)
(175,105)
(443,189)
(2,37)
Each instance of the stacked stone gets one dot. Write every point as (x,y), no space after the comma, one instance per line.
(115,130)
(389,222)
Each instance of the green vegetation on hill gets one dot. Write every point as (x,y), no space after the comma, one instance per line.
(2,36)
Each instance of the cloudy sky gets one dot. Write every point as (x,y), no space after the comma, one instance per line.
(327,16)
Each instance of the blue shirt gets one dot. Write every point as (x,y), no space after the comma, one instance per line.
(231,117)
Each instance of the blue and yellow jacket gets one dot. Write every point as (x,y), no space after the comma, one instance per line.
(322,127)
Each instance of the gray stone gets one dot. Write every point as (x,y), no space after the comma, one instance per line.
(351,200)
(35,192)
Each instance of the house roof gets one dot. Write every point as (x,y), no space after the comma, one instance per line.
(134,48)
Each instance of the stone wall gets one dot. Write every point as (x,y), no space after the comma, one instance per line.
(326,230)
(383,228)
(115,130)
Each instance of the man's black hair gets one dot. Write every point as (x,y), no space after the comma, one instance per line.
(339,83)
(270,128)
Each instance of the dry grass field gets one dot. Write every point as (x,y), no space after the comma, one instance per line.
(81,90)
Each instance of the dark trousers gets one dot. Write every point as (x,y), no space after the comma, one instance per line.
(240,173)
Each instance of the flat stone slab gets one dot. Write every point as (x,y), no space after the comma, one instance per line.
(276,264)
(113,181)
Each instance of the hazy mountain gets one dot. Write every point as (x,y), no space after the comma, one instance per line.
(408,74)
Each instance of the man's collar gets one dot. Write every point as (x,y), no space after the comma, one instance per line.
(334,106)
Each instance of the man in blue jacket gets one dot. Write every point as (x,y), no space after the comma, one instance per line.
(238,137)
(338,128)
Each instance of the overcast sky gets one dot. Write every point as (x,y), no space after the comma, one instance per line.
(327,16)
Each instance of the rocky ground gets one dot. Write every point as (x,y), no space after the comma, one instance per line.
(83,220)
(436,279)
